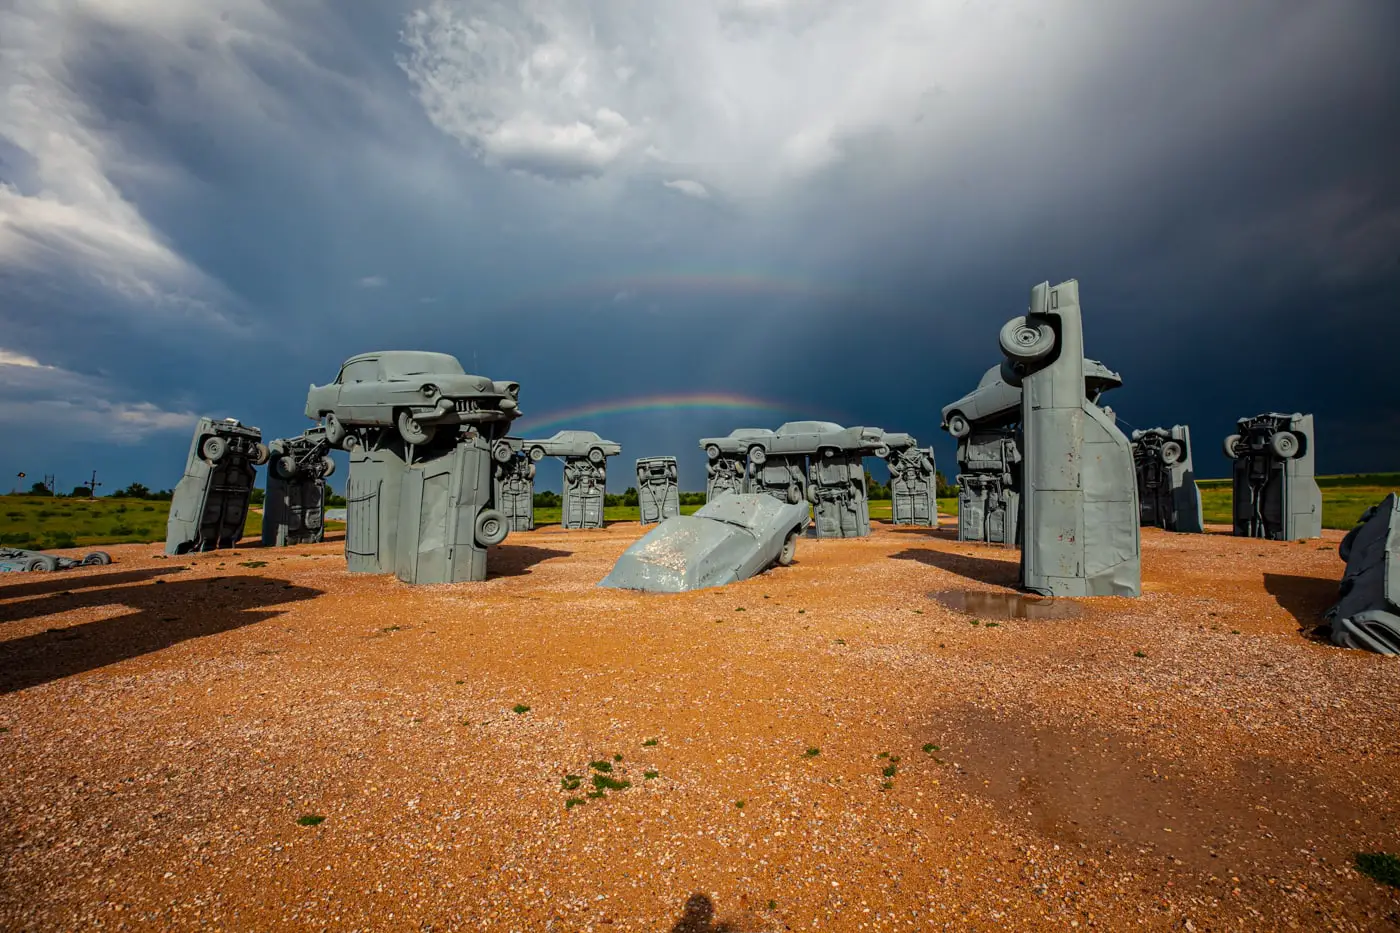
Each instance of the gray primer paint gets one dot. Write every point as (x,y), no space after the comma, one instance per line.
(210,504)
(1275,493)
(1367,614)
(295,505)
(658,489)
(913,486)
(1080,507)
(514,483)
(1166,481)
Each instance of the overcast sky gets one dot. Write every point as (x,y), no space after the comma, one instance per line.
(828,206)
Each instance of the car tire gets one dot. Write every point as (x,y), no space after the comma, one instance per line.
(213,448)
(789,549)
(1172,453)
(757,456)
(537,454)
(336,434)
(1285,445)
(285,467)
(260,454)
(812,493)
(1026,342)
(958,425)
(414,431)
(595,457)
(882,451)
(41,563)
(97,559)
(491,528)
(1232,446)
(794,494)
(501,453)
(327,467)
(530,471)
(712,451)
(671,474)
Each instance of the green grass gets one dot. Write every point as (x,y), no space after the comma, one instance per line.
(1344,498)
(40,522)
(883,508)
(1379,866)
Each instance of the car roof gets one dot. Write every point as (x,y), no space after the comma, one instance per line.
(804,427)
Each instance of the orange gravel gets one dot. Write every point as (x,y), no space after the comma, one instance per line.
(1187,760)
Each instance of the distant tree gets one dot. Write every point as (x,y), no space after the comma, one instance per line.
(874,489)
(134,491)
(39,489)
(82,492)
(692,498)
(546,499)
(256,496)
(165,495)
(944,489)
(629,496)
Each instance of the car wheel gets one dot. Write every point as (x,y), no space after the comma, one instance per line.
(414,431)
(286,467)
(1010,374)
(335,431)
(757,456)
(595,457)
(812,496)
(531,471)
(789,551)
(41,563)
(1026,342)
(1232,446)
(213,449)
(882,451)
(537,454)
(794,494)
(671,474)
(327,467)
(958,426)
(1285,444)
(97,559)
(501,453)
(712,451)
(260,454)
(1172,452)
(491,528)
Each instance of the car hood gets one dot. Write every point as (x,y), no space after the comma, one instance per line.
(685,552)
(448,384)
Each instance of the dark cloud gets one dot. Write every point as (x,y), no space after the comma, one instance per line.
(239,198)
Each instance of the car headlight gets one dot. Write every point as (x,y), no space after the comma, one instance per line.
(429,390)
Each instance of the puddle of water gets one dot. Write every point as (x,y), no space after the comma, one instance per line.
(1005,605)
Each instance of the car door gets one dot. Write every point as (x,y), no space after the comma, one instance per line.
(361,384)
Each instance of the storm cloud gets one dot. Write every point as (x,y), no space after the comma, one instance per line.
(830,206)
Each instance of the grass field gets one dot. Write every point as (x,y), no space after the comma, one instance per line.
(1344,498)
(41,522)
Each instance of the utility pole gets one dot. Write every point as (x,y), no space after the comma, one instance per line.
(49,482)
(19,481)
(92,486)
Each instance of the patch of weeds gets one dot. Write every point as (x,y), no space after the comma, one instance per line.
(650,742)
(738,608)
(772,905)
(883,755)
(930,748)
(617,757)
(1234,631)
(975,621)
(1139,654)
(596,794)
(813,752)
(739,804)
(310,819)
(890,770)
(918,612)
(520,708)
(573,802)
(603,766)
(840,641)
(460,682)
(603,782)
(1379,866)
(392,628)
(570,782)
(651,775)
(993,624)
(252,564)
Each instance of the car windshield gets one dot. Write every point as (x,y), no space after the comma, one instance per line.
(399,365)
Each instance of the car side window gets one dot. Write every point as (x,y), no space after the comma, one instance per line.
(360,371)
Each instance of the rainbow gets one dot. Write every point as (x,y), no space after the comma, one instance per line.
(705,400)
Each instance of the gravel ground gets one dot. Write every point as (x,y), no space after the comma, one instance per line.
(825,747)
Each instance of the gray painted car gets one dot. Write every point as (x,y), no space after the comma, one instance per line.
(1367,613)
(414,391)
(18,559)
(730,539)
(735,442)
(996,401)
(805,437)
(573,444)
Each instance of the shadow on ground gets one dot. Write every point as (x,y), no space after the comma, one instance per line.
(699,917)
(59,581)
(513,560)
(981,569)
(162,614)
(1304,598)
(944,532)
